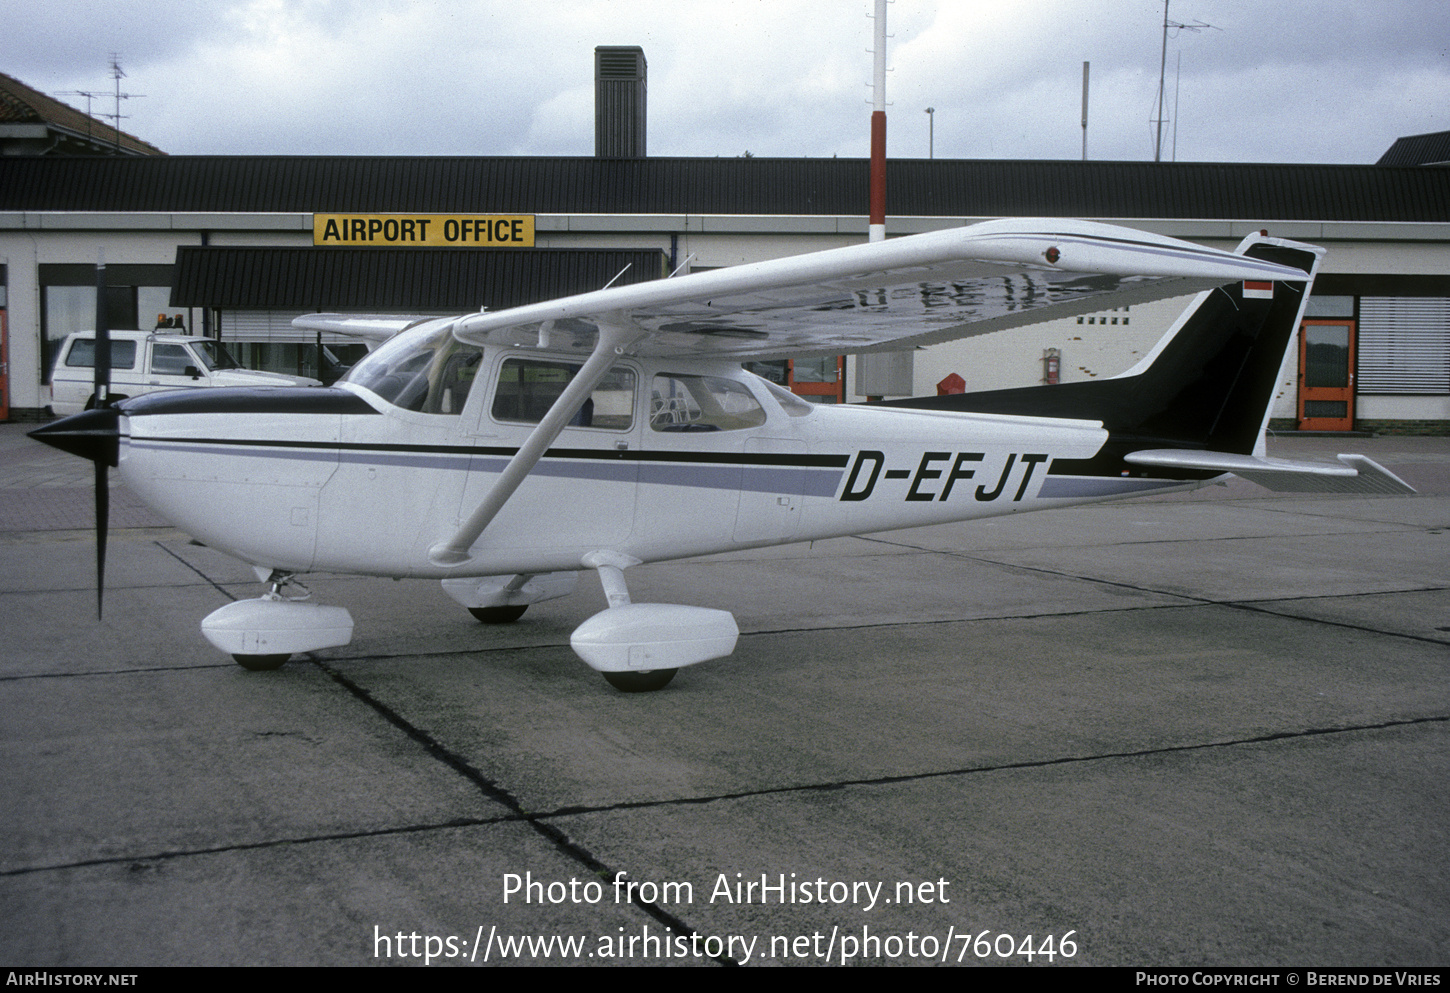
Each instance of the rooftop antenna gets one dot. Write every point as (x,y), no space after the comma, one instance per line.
(89,95)
(1163,72)
(117,73)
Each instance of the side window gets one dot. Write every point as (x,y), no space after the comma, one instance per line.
(170,360)
(527,388)
(82,354)
(702,403)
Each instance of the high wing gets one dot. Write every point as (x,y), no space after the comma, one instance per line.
(912,291)
(897,294)
(373,328)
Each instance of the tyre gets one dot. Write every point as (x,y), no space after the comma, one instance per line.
(646,681)
(261,663)
(498,615)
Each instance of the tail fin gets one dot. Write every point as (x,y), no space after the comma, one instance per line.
(1208,384)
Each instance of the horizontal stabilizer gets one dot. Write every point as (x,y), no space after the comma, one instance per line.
(1355,474)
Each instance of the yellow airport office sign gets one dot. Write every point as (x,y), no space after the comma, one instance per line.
(424,230)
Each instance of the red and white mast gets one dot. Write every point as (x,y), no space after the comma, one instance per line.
(877,221)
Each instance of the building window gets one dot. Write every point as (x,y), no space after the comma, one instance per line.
(1404,345)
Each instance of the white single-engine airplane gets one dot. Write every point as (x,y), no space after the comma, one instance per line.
(505,452)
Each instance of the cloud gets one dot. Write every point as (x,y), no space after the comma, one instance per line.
(1336,80)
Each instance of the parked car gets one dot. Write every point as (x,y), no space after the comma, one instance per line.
(144,362)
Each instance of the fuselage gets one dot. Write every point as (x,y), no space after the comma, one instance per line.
(667,459)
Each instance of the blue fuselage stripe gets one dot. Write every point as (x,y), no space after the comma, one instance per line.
(698,470)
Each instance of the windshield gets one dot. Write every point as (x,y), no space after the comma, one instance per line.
(213,355)
(429,371)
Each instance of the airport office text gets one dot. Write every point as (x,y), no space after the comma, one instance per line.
(424,231)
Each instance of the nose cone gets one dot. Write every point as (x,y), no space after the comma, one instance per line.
(91,434)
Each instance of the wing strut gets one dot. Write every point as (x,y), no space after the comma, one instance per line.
(615,335)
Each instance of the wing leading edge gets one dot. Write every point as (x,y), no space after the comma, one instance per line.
(917,290)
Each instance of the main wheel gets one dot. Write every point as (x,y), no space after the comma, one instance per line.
(646,681)
(261,663)
(498,615)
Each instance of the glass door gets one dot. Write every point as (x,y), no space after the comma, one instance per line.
(1326,376)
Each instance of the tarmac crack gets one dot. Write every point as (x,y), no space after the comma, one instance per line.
(537,819)
(211,582)
(1191,599)
(502,796)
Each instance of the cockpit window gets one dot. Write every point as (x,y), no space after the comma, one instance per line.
(527,388)
(702,403)
(431,374)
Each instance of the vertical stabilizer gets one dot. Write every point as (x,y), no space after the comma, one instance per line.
(1209,383)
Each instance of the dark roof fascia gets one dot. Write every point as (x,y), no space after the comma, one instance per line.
(725,186)
(398,279)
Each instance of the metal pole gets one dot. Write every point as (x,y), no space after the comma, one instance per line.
(1084,109)
(1162,71)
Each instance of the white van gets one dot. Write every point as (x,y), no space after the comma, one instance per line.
(144,362)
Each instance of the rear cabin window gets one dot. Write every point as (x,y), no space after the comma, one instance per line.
(702,403)
(82,354)
(527,388)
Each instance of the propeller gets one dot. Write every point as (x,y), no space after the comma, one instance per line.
(94,434)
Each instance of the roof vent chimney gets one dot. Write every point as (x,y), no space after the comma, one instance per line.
(619,102)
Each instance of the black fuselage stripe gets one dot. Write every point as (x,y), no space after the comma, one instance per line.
(590,454)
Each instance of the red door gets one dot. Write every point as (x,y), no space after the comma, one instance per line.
(4,369)
(819,380)
(1326,375)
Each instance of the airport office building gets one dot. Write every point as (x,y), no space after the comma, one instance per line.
(235,247)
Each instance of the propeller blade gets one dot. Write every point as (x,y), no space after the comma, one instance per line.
(103,402)
(103,515)
(95,435)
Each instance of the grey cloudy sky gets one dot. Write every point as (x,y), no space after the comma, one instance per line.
(1271,81)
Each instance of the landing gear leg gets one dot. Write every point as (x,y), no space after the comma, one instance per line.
(638,647)
(264,633)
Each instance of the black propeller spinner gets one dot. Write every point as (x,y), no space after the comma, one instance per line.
(94,434)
